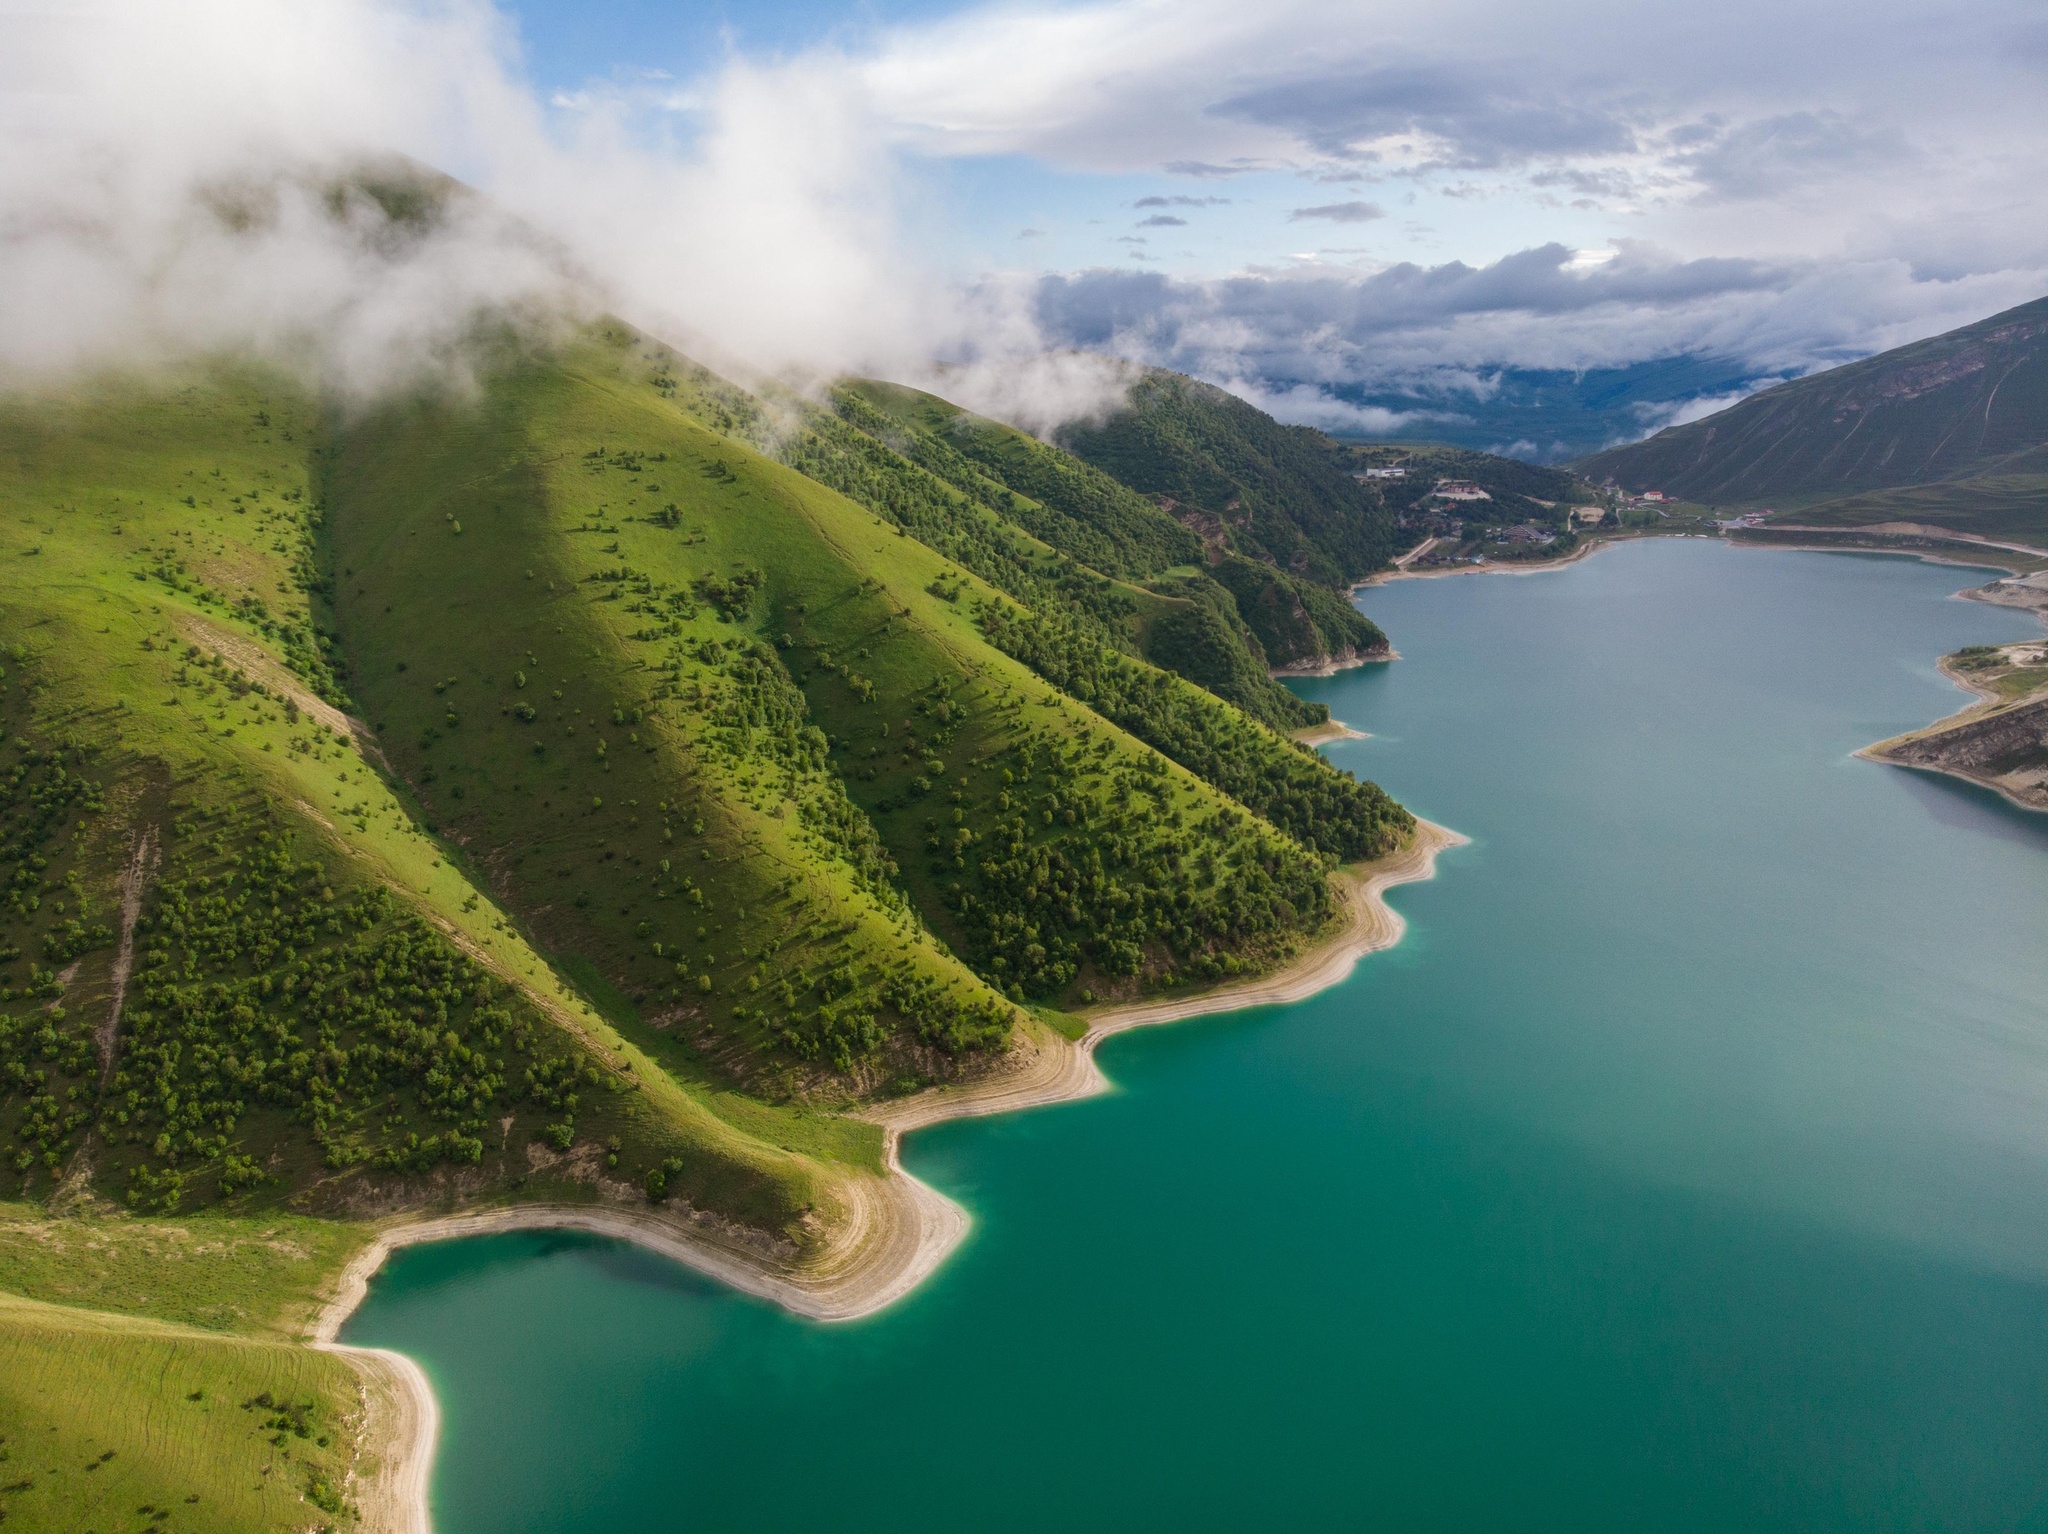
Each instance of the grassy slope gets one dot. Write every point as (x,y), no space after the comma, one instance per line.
(110,1422)
(656,857)
(259,1275)
(108,583)
(210,1304)
(774,739)
(115,729)
(934,734)
(2009,503)
(1071,635)
(1102,524)
(1091,516)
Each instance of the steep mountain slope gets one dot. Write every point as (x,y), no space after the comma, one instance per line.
(538,793)
(1198,630)
(592,783)
(1225,467)
(707,637)
(235,966)
(1921,433)
(484,792)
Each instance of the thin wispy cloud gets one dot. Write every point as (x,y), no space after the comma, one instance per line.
(1340,212)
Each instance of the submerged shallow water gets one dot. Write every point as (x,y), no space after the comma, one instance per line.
(1686,1167)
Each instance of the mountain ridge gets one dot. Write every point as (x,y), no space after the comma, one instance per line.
(1952,430)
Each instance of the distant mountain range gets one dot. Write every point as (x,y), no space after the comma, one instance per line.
(1548,415)
(1949,432)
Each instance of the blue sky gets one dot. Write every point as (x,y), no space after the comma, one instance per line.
(570,43)
(1002,210)
(1302,183)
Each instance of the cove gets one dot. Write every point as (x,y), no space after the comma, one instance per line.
(1685,1167)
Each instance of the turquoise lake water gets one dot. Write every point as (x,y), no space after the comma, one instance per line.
(1685,1168)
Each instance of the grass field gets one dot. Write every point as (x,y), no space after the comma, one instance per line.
(2004,507)
(115,1423)
(260,1276)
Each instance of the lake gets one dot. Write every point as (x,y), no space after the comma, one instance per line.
(1685,1167)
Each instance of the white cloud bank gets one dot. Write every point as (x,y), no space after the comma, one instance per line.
(1785,203)
(165,180)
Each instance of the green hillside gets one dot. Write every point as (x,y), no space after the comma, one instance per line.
(544,791)
(150,1377)
(1949,431)
(113,1423)
(1226,469)
(537,792)
(1222,634)
(589,783)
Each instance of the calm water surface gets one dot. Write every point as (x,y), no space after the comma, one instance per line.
(1685,1168)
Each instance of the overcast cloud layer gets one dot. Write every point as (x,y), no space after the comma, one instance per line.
(1565,186)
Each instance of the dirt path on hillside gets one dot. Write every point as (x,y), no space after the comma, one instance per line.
(134,882)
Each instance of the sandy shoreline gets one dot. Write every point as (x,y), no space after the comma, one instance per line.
(1323,734)
(1925,530)
(1589,547)
(1332,666)
(1988,701)
(1594,543)
(898,1229)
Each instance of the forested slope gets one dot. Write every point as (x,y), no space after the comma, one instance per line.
(585,782)
(1278,491)
(1204,630)
(485,791)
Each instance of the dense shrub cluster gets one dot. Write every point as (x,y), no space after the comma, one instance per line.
(1318,805)
(43,1058)
(1057,499)
(305,647)
(759,717)
(828,1010)
(732,595)
(1204,640)
(44,1055)
(1089,862)
(39,794)
(963,518)
(1294,619)
(846,454)
(261,986)
(261,996)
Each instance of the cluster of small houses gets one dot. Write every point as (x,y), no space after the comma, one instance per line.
(1455,491)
